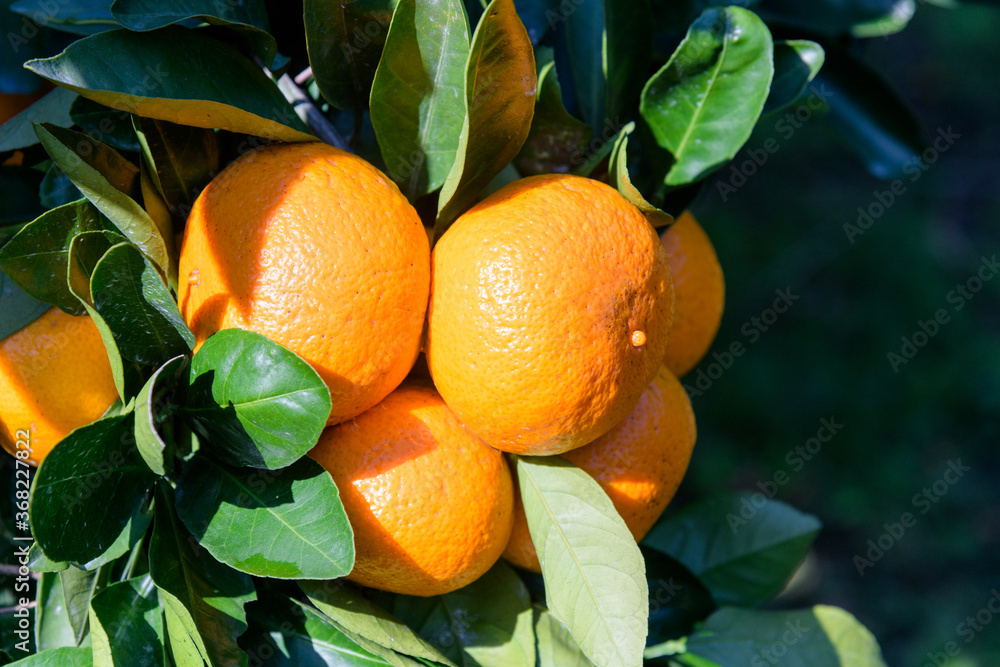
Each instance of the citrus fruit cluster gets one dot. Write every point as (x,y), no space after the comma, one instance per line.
(552,317)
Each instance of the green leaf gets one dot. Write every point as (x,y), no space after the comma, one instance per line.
(138,309)
(19,131)
(678,601)
(796,64)
(181,160)
(59,657)
(499,96)
(703,104)
(154,450)
(56,189)
(78,588)
(110,126)
(353,613)
(255,402)
(249,18)
(177,75)
(19,198)
(206,596)
(585,47)
(556,141)
(485,624)
(344,41)
(556,646)
(628,45)
(52,628)
(594,575)
(19,308)
(127,624)
(39,562)
(105,178)
(832,17)
(286,523)
(80,17)
(898,18)
(821,635)
(870,116)
(743,547)
(619,178)
(88,496)
(417,106)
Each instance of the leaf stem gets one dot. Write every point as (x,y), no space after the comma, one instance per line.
(309,114)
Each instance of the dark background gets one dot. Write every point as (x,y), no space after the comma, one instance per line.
(827,356)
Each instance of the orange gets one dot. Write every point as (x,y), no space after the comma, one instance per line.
(700,293)
(639,463)
(430,504)
(317,250)
(550,308)
(54,377)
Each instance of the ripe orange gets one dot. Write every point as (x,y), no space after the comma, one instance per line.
(54,377)
(700,292)
(316,249)
(639,463)
(550,308)
(430,504)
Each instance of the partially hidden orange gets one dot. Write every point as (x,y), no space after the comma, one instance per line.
(551,304)
(431,505)
(319,251)
(639,464)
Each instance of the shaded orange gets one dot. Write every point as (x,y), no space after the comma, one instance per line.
(639,463)
(537,296)
(316,249)
(431,505)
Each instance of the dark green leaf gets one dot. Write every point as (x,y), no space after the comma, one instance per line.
(678,601)
(500,85)
(181,159)
(56,189)
(78,587)
(255,402)
(619,178)
(796,63)
(345,40)
(177,75)
(85,150)
(154,450)
(485,624)
(556,141)
(870,116)
(628,44)
(206,596)
(819,636)
(19,308)
(417,106)
(52,628)
(127,625)
(743,547)
(137,307)
(286,523)
(111,126)
(59,657)
(249,17)
(353,613)
(556,646)
(584,27)
(897,19)
(703,104)
(19,198)
(88,496)
(19,131)
(80,17)
(827,16)
(594,574)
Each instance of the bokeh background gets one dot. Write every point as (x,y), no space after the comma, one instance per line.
(827,357)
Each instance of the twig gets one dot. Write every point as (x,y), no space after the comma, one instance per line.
(11,610)
(303,76)
(309,114)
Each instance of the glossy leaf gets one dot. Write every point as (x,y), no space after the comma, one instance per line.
(417,95)
(556,646)
(743,547)
(556,141)
(500,84)
(19,131)
(796,64)
(19,308)
(584,28)
(869,114)
(153,449)
(593,570)
(628,44)
(249,17)
(110,126)
(205,596)
(181,160)
(821,635)
(80,17)
(354,614)
(345,40)
(255,402)
(897,19)
(39,562)
(619,178)
(127,625)
(488,623)
(88,496)
(59,657)
(106,182)
(137,307)
(78,588)
(286,523)
(177,75)
(52,628)
(703,104)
